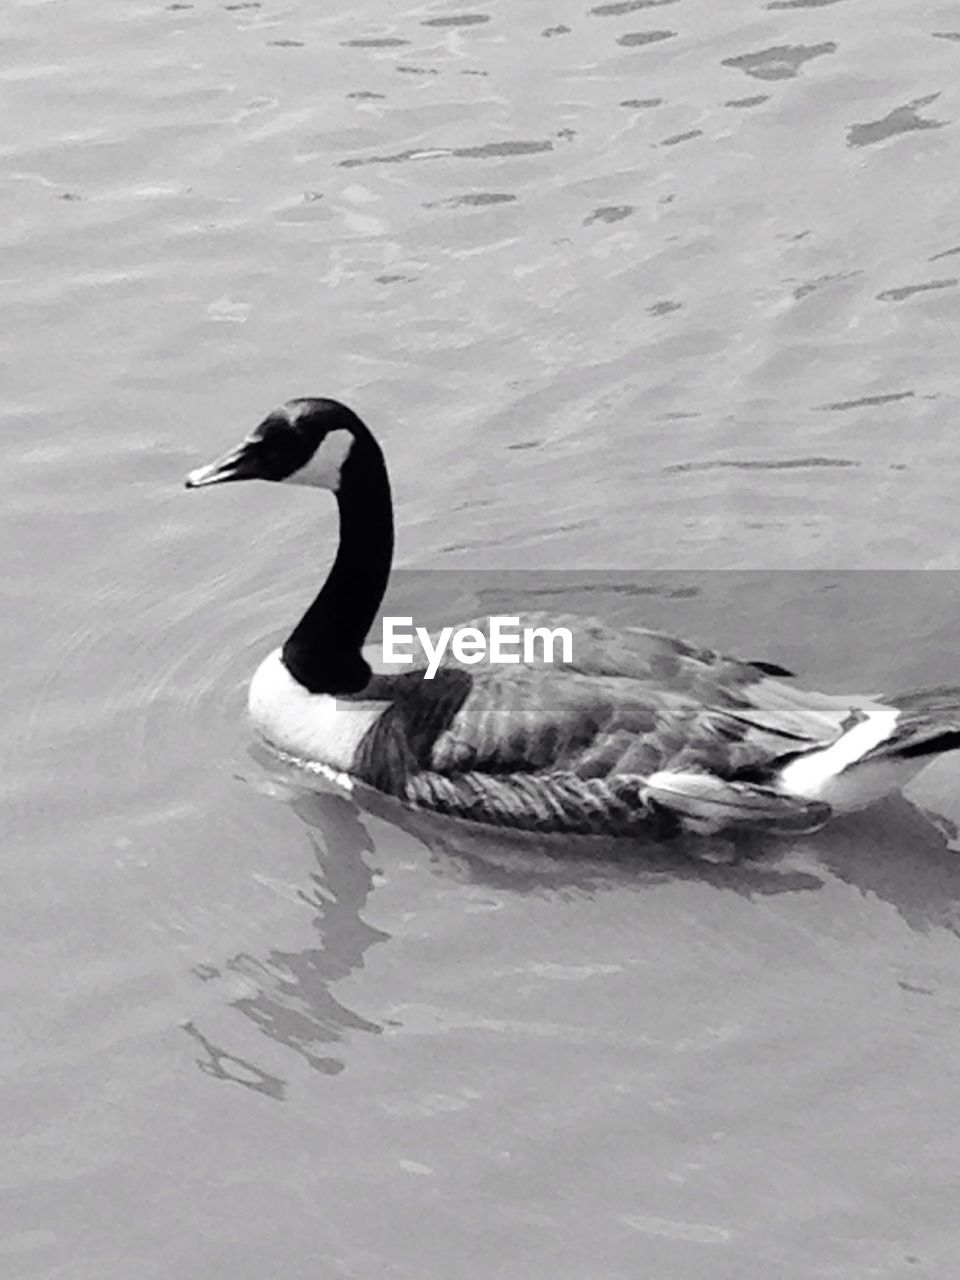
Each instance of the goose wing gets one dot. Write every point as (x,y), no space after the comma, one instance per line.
(631,717)
(537,720)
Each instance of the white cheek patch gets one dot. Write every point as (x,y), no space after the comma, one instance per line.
(323,469)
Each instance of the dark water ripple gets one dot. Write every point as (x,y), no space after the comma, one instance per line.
(802,4)
(811,286)
(890,397)
(609,213)
(760,464)
(618,8)
(485,151)
(473,199)
(901,120)
(636,39)
(781,62)
(908,291)
(754,101)
(682,137)
(457,20)
(375,42)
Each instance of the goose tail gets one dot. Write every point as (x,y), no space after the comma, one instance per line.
(882,746)
(928,724)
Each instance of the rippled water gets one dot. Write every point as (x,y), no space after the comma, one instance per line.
(665,286)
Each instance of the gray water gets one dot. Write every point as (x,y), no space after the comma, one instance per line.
(660,287)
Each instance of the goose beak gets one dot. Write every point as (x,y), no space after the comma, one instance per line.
(238,464)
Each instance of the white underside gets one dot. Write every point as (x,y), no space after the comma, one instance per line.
(311,726)
(834,776)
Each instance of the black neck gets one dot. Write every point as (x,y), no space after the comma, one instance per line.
(323,653)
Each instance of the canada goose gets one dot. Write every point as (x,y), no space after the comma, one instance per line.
(636,733)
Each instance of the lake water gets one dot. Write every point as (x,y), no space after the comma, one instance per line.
(658,296)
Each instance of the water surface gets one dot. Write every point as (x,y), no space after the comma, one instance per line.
(659,287)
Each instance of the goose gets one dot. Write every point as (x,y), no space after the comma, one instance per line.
(633,733)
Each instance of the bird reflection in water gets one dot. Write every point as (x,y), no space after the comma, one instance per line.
(897,852)
(293,1001)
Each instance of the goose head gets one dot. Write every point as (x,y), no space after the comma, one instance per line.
(306,441)
(324,444)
